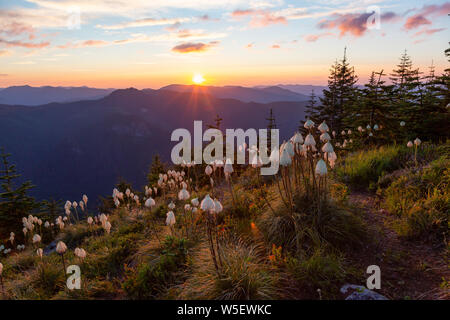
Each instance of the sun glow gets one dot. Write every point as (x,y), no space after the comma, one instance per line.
(198,78)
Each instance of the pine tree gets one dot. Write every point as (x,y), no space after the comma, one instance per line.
(14,201)
(436,97)
(156,168)
(311,111)
(271,125)
(371,108)
(217,122)
(407,97)
(51,209)
(338,100)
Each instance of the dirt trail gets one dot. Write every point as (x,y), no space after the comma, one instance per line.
(409,270)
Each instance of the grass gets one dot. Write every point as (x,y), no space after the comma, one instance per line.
(421,200)
(362,169)
(151,278)
(246,275)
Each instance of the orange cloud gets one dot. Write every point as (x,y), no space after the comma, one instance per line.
(87,43)
(4,53)
(18,43)
(190,47)
(148,22)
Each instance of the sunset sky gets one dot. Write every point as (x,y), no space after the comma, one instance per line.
(152,43)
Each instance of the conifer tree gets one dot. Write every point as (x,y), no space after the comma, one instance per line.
(217,122)
(15,202)
(311,111)
(338,100)
(271,125)
(156,168)
(406,97)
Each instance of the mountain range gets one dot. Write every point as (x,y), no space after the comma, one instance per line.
(67,149)
(34,96)
(299,88)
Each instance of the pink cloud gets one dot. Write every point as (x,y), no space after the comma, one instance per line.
(428,31)
(353,23)
(423,16)
(315,37)
(13,29)
(416,21)
(259,18)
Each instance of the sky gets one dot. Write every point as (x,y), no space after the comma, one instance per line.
(153,43)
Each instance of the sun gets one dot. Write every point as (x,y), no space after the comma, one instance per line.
(198,78)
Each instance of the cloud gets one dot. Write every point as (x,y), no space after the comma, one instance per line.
(13,29)
(259,18)
(4,53)
(353,23)
(275,46)
(190,47)
(84,44)
(29,45)
(428,31)
(149,22)
(132,8)
(4,75)
(423,16)
(416,21)
(315,37)
(24,62)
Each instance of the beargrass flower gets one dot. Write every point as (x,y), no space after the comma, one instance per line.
(207,204)
(36,238)
(170,219)
(40,252)
(321,168)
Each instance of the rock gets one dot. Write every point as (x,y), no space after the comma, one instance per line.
(50,248)
(360,293)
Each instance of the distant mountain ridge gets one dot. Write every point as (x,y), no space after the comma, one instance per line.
(34,96)
(304,89)
(244,94)
(67,149)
